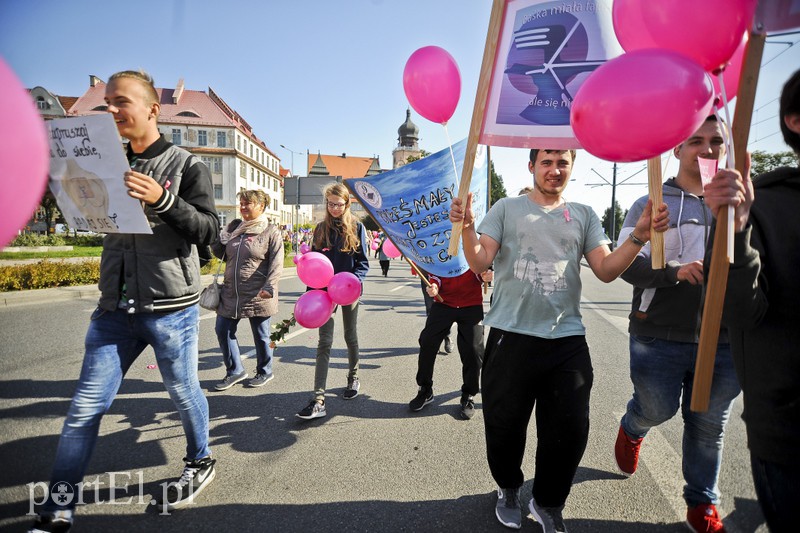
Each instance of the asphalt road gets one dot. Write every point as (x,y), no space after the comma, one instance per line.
(370,465)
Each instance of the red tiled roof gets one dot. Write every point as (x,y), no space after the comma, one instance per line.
(210,112)
(344,166)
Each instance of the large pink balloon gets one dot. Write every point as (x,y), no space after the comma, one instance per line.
(641,104)
(344,288)
(732,73)
(432,83)
(390,249)
(708,31)
(314,269)
(313,309)
(24,155)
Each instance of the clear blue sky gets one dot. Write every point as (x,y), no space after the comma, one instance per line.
(317,75)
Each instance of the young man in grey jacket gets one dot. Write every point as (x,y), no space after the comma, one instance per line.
(149,285)
(664,332)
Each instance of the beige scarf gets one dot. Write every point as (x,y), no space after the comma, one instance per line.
(255,226)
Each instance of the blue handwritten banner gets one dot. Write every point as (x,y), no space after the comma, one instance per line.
(411,204)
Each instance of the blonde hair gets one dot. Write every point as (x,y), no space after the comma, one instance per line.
(345,226)
(142,77)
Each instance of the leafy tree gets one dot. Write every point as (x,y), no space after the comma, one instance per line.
(618,220)
(762,162)
(412,158)
(498,187)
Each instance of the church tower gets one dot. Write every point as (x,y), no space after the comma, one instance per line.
(407,137)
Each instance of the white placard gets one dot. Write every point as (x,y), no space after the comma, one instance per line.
(87,166)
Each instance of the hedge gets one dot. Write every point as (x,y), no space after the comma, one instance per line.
(44,274)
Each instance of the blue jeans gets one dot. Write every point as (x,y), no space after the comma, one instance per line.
(350,319)
(662,371)
(113,342)
(778,490)
(231,356)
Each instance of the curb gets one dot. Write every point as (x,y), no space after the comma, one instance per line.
(78,292)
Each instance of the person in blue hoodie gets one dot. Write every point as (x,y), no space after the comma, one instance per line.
(761,315)
(664,333)
(343,240)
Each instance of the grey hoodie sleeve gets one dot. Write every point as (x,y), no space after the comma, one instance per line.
(640,273)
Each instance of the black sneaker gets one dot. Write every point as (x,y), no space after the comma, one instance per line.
(196,475)
(467,406)
(423,398)
(353,385)
(60,522)
(316,409)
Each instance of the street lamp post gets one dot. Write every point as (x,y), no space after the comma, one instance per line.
(296,213)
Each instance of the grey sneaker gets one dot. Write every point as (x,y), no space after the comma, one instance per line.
(507,509)
(315,409)
(260,380)
(230,381)
(548,517)
(352,389)
(467,406)
(58,522)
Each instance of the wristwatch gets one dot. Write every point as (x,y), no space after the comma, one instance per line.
(636,240)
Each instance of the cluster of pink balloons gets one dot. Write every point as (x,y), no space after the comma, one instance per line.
(314,308)
(24,159)
(432,83)
(654,96)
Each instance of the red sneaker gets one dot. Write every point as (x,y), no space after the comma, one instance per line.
(626,452)
(704,518)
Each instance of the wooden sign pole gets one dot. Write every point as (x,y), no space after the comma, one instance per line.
(423,278)
(492,36)
(654,181)
(718,269)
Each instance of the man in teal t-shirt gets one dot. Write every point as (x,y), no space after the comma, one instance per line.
(536,352)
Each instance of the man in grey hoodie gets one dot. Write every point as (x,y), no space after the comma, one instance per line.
(664,332)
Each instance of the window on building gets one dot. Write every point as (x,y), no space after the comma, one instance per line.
(238,143)
(222,140)
(275,204)
(41,103)
(251,151)
(176,136)
(217,192)
(214,164)
(252,174)
(243,169)
(202,138)
(275,185)
(222,219)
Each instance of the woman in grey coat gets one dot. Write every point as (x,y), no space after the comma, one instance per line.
(253,251)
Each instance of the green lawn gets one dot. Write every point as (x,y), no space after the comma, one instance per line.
(77,251)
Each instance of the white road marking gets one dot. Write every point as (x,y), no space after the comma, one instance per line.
(403,286)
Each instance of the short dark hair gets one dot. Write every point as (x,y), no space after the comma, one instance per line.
(790,105)
(142,77)
(535,153)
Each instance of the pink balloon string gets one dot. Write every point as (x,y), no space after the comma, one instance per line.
(452,157)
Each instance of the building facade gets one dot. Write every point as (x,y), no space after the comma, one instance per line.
(203,124)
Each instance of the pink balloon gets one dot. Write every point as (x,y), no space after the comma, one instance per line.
(313,309)
(375,245)
(641,104)
(24,159)
(432,83)
(732,73)
(390,249)
(709,34)
(344,288)
(314,269)
(304,248)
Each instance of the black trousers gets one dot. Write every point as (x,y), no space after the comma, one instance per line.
(469,341)
(555,376)
(384,266)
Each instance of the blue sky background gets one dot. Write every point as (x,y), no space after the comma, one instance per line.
(316,75)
